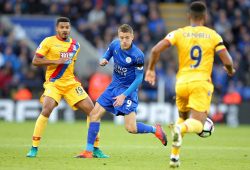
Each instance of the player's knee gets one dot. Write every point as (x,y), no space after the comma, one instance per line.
(94,117)
(46,111)
(131,128)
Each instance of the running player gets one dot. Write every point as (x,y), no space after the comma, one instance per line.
(121,96)
(196,45)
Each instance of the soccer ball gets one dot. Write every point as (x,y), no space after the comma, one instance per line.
(208,129)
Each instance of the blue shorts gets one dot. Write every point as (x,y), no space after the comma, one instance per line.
(106,100)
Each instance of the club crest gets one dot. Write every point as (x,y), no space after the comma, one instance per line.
(128,60)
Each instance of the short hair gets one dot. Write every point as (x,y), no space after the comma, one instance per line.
(62,19)
(125,28)
(197,10)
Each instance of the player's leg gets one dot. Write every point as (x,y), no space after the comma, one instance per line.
(77,98)
(50,98)
(87,106)
(199,102)
(182,117)
(97,153)
(94,127)
(48,105)
(175,150)
(181,103)
(138,127)
(194,124)
(182,96)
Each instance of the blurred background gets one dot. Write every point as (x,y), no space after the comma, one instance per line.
(24,24)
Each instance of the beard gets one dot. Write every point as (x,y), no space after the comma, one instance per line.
(64,35)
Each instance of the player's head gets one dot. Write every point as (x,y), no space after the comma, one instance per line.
(126,36)
(197,11)
(63,27)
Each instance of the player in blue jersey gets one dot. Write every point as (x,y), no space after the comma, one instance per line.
(121,96)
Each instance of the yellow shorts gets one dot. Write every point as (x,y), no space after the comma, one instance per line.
(195,95)
(72,92)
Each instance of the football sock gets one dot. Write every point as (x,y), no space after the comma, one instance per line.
(143,128)
(180,120)
(96,144)
(40,125)
(191,125)
(175,151)
(94,128)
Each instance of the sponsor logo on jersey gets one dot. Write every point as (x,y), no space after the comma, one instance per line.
(64,55)
(140,68)
(120,70)
(67,55)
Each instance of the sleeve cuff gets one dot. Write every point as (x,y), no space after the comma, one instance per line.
(39,55)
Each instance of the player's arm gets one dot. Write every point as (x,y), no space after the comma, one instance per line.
(136,83)
(154,58)
(43,49)
(119,100)
(227,61)
(39,60)
(225,57)
(107,56)
(103,62)
(156,51)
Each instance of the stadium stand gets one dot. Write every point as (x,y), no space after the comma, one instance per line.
(97,21)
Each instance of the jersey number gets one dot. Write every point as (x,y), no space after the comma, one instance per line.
(79,90)
(197,58)
(129,102)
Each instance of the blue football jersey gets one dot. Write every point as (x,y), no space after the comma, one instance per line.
(126,62)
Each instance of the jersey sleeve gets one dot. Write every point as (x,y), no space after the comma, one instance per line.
(109,53)
(219,45)
(172,37)
(139,63)
(43,48)
(78,47)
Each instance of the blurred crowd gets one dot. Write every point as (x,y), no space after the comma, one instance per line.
(18,78)
(98,20)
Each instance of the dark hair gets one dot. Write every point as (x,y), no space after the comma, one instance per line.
(197,10)
(125,28)
(62,19)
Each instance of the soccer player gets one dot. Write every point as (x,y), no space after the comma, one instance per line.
(59,54)
(121,96)
(196,45)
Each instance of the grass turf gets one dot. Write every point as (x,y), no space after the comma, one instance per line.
(228,148)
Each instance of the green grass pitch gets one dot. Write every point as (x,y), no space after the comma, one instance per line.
(227,149)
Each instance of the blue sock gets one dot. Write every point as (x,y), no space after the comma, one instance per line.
(94,128)
(143,128)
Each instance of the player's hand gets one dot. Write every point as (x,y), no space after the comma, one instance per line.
(119,100)
(150,77)
(230,72)
(63,60)
(103,62)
